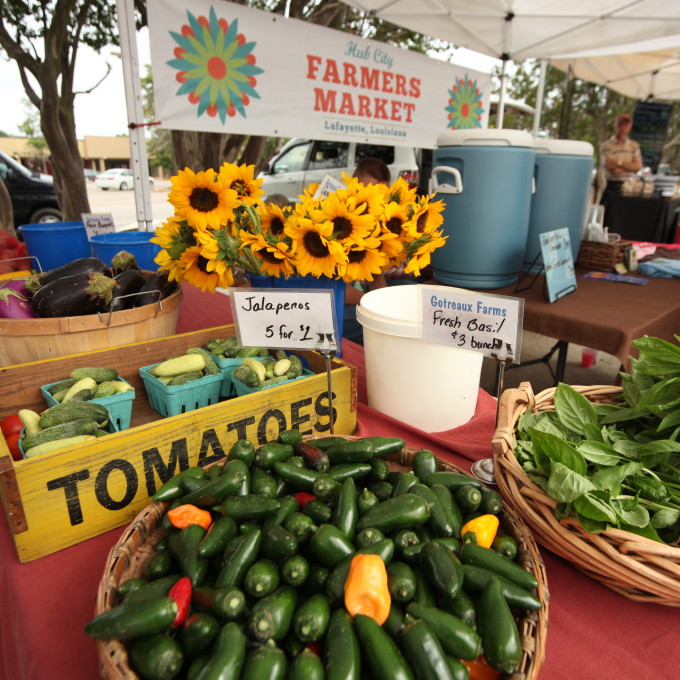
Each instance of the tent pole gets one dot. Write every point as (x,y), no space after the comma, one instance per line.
(135,113)
(539,96)
(501,96)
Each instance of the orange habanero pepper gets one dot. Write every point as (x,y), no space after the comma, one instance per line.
(366,590)
(184,515)
(479,669)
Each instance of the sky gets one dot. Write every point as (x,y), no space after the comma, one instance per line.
(103,112)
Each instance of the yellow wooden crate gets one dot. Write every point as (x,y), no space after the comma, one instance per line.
(65,497)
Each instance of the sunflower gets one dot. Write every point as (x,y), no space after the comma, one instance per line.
(241,178)
(276,257)
(402,193)
(174,236)
(202,199)
(364,260)
(418,252)
(273,218)
(313,251)
(426,218)
(392,246)
(350,224)
(395,218)
(373,195)
(219,244)
(173,267)
(197,274)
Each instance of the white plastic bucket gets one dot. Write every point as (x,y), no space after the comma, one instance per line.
(431,387)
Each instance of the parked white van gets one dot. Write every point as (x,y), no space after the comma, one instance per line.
(304,161)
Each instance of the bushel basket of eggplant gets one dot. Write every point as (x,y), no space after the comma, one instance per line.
(595,473)
(323,557)
(37,312)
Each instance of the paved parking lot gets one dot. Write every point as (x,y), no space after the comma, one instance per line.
(121,204)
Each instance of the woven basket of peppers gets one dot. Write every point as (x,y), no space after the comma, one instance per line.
(323,557)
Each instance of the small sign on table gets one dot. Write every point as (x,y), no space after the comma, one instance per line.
(558,263)
(98,223)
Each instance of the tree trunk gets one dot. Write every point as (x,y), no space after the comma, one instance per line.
(6,210)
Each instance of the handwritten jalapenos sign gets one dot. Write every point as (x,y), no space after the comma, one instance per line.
(285,318)
(80,492)
(480,322)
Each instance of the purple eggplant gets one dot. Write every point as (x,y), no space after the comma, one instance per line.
(79,266)
(85,293)
(157,281)
(15,300)
(127,283)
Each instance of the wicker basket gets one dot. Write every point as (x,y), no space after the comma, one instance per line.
(129,556)
(603,256)
(631,565)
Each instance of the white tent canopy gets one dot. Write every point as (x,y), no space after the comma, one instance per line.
(541,29)
(648,70)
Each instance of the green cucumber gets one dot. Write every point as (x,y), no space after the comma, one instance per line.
(62,413)
(58,444)
(71,428)
(184,378)
(97,374)
(211,368)
(82,384)
(61,386)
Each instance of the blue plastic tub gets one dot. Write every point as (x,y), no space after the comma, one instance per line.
(484,177)
(106,246)
(563,171)
(56,243)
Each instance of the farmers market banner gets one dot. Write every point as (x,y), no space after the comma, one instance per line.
(222,67)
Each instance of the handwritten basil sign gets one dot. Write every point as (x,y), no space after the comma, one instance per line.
(481,322)
(285,317)
(558,263)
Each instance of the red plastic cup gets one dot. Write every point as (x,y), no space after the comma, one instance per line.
(588,357)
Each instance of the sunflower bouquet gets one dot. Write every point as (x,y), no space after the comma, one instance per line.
(221,225)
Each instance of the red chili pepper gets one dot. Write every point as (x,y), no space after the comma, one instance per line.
(303,498)
(181,594)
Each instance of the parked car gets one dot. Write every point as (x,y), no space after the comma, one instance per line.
(121,179)
(303,161)
(90,174)
(33,197)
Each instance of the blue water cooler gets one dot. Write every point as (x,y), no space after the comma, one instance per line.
(484,178)
(563,172)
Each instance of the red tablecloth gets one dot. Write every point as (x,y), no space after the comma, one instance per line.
(593,632)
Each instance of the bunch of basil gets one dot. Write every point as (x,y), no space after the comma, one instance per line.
(614,464)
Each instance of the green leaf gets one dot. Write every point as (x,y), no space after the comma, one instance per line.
(610,478)
(657,357)
(627,448)
(664,393)
(593,433)
(598,453)
(646,531)
(659,446)
(565,485)
(632,514)
(592,526)
(558,450)
(664,518)
(594,507)
(671,419)
(619,414)
(573,409)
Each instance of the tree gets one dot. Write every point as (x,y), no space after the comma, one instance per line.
(31,129)
(42,37)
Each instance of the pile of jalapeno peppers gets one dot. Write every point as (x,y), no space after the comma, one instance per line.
(250,580)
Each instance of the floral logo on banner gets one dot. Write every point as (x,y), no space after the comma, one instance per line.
(465,108)
(215,66)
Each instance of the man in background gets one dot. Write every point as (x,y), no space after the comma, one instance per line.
(620,156)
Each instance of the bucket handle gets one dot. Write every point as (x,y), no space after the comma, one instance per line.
(25,257)
(435,187)
(159,304)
